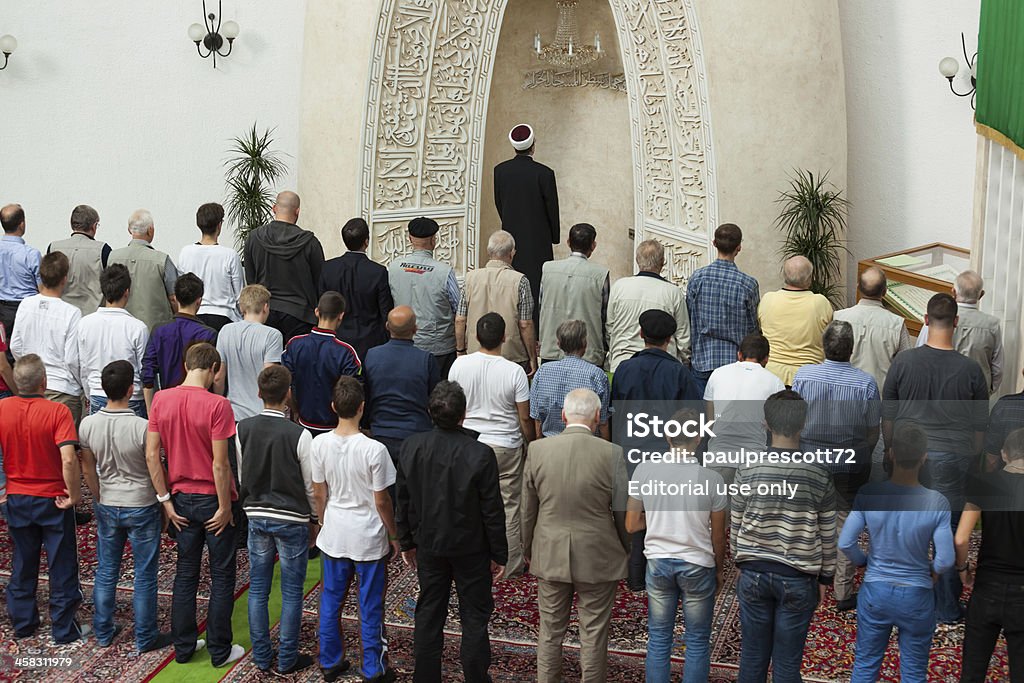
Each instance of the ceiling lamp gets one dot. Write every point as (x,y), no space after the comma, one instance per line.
(567,50)
(211,36)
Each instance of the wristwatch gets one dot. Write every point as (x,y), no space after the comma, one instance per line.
(164,498)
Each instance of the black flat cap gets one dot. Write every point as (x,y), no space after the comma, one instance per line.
(657,324)
(423,227)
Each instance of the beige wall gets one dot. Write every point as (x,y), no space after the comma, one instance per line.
(776,94)
(583,133)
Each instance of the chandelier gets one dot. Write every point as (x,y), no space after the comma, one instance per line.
(567,50)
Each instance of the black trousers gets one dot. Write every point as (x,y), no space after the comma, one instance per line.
(472,577)
(994,607)
(217,322)
(9,309)
(288,325)
(444,363)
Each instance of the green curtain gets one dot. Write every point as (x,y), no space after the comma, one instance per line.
(1000,73)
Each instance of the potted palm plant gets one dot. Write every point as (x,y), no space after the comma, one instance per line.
(253,168)
(812,219)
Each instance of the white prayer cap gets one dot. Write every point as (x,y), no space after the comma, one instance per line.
(521,137)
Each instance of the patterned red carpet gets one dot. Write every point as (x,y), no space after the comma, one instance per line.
(828,656)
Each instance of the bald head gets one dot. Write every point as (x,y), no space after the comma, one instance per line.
(969,287)
(872,283)
(797,272)
(286,207)
(402,322)
(12,217)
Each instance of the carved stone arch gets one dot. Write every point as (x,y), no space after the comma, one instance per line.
(423,134)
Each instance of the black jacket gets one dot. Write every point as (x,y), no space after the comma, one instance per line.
(527,201)
(272,486)
(364,284)
(449,502)
(287,260)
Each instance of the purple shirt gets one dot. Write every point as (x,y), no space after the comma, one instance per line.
(164,363)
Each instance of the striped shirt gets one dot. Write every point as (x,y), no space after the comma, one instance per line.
(555,380)
(844,404)
(722,302)
(794,530)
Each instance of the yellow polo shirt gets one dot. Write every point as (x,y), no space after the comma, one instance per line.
(793,321)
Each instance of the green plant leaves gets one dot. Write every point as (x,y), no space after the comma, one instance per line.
(252,170)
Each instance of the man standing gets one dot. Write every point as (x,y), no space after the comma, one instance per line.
(19,265)
(217,266)
(575,288)
(275,470)
(784,545)
(575,487)
(843,417)
(38,441)
(978,335)
(555,380)
(946,394)
(109,334)
(399,380)
(113,445)
(431,289)
(48,327)
(498,408)
(364,284)
(880,334)
(735,395)
(451,528)
(527,201)
(997,600)
(153,273)
(631,296)
(87,257)
(722,301)
(497,288)
(685,550)
(287,260)
(194,425)
(903,519)
(792,320)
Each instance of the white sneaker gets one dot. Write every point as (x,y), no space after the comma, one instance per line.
(237,652)
(200,644)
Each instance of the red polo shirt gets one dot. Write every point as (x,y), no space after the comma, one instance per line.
(32,431)
(188,420)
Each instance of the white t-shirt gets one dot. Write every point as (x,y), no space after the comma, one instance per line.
(48,326)
(353,467)
(107,335)
(493,386)
(679,520)
(738,391)
(220,269)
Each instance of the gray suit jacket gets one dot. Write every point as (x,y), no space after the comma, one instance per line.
(574,502)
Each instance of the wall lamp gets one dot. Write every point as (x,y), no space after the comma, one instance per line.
(7,45)
(949,68)
(211,36)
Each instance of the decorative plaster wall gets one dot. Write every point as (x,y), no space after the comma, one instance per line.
(108,104)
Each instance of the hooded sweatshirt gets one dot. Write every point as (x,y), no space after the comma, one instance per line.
(287,260)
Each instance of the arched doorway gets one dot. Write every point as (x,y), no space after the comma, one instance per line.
(423,130)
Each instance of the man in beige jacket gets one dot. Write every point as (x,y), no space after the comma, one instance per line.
(574,535)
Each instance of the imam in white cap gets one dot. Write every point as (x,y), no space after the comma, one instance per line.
(521,137)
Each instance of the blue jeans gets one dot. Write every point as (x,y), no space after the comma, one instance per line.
(290,541)
(775,613)
(947,474)
(141,526)
(98,403)
(668,581)
(882,605)
(701,379)
(198,509)
(338,575)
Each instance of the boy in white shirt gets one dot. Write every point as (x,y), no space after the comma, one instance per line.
(109,334)
(47,326)
(218,267)
(351,476)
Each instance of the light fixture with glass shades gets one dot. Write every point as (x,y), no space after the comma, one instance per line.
(212,35)
(950,67)
(8,45)
(568,50)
